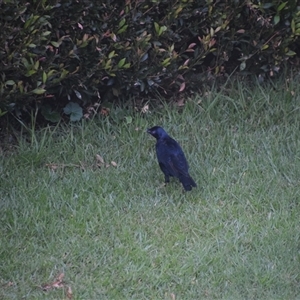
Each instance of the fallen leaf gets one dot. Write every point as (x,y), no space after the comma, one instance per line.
(61,276)
(104,111)
(53,167)
(69,293)
(58,283)
(180,102)
(145,109)
(91,110)
(114,164)
(182,87)
(8,284)
(113,37)
(99,158)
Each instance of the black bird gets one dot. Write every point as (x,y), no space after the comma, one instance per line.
(171,158)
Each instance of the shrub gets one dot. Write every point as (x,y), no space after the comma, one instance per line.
(57,52)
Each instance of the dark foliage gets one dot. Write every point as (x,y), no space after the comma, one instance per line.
(56,52)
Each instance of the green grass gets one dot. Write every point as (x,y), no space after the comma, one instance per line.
(117,233)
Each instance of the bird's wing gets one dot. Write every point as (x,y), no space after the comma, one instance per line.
(176,158)
(178,164)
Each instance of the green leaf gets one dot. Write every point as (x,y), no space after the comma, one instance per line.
(45,33)
(290,53)
(243,66)
(166,62)
(49,114)
(128,120)
(161,30)
(123,29)
(51,72)
(39,91)
(156,26)
(122,22)
(36,65)
(55,44)
(110,73)
(74,110)
(44,77)
(2,113)
(293,26)
(281,6)
(111,54)
(126,66)
(25,63)
(64,73)
(107,65)
(9,82)
(276,19)
(27,23)
(21,87)
(121,62)
(30,72)
(83,44)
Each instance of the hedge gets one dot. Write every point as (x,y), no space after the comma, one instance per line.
(74,53)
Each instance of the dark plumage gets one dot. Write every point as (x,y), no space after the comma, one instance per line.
(171,158)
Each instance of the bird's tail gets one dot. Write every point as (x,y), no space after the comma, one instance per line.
(187,182)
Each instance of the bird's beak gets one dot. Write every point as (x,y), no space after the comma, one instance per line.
(149,131)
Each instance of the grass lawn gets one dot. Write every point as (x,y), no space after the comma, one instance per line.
(115,232)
